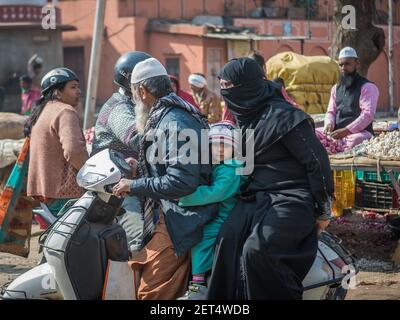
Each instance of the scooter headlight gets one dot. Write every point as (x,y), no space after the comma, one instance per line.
(89,179)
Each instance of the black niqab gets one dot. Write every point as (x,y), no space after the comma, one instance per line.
(257,103)
(251,94)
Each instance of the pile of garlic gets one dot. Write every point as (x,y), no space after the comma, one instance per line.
(387,144)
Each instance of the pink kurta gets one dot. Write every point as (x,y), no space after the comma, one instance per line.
(368,102)
(28,99)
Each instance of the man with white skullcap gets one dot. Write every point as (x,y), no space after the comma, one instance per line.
(165,174)
(208,101)
(351,109)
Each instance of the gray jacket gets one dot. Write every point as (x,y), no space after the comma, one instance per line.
(116,127)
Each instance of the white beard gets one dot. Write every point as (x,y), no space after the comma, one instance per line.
(142,115)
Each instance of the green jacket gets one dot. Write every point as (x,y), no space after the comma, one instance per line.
(225,184)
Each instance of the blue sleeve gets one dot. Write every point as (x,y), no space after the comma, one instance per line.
(225,185)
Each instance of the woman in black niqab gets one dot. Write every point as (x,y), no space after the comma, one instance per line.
(269,242)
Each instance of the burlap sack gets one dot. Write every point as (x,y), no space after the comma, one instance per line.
(11,126)
(9,151)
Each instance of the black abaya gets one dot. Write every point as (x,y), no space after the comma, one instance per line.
(269,242)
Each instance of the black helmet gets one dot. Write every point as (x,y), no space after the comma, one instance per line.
(124,66)
(56,76)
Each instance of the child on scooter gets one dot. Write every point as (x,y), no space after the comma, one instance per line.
(224,187)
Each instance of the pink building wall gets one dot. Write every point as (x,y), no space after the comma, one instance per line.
(122,34)
(189,49)
(320,45)
(126,28)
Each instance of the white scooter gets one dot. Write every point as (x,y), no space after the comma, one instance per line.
(74,267)
(78,245)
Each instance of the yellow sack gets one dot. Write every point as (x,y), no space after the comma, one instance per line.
(308,80)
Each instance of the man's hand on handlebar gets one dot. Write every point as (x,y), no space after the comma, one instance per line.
(122,188)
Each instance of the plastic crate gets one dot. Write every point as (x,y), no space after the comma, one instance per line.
(376,195)
(372,176)
(344,191)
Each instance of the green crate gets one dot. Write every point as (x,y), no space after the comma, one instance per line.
(372,176)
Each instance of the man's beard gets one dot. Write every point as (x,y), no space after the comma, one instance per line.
(142,115)
(347,79)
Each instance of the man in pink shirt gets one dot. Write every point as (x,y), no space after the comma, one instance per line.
(351,109)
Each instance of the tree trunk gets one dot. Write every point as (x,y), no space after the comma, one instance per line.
(367,39)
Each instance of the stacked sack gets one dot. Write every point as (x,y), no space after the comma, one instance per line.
(308,80)
(11,141)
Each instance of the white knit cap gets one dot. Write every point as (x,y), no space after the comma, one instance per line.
(223,131)
(197,80)
(147,69)
(348,52)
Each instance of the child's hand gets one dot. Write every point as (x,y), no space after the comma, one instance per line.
(122,188)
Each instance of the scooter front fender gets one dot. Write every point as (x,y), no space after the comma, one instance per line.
(37,283)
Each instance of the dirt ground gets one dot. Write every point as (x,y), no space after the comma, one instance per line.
(365,235)
(11,266)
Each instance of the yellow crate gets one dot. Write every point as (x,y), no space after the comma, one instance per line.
(345,186)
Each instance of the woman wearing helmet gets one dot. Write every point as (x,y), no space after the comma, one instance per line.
(57,144)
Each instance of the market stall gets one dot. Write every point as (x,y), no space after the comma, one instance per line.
(367,176)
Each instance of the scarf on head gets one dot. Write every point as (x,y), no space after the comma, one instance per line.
(251,92)
(258,104)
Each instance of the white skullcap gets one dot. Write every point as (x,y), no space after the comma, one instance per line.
(147,69)
(348,52)
(197,80)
